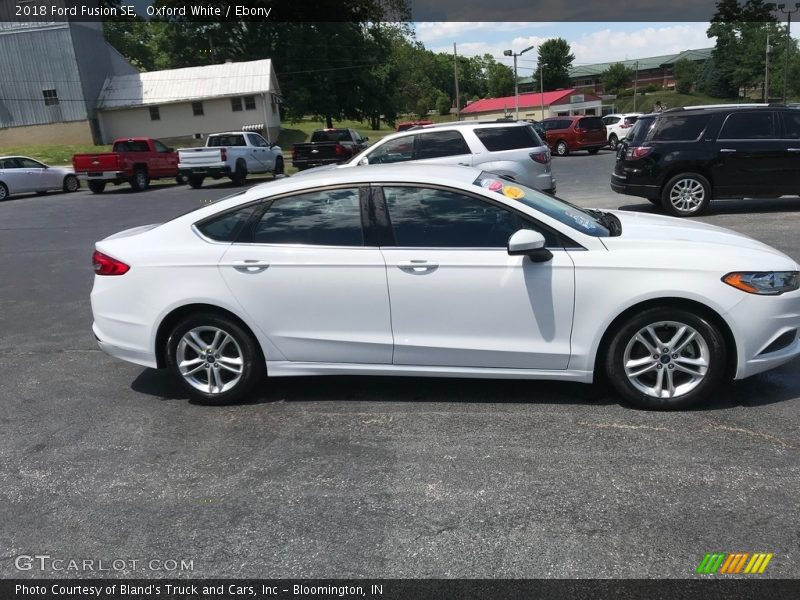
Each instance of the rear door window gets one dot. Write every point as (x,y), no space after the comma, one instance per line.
(680,128)
(440,143)
(508,138)
(751,125)
(591,123)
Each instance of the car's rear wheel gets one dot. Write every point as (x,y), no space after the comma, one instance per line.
(686,195)
(240,174)
(561,148)
(196,181)
(139,181)
(71,183)
(666,358)
(214,359)
(97,187)
(278,167)
(613,141)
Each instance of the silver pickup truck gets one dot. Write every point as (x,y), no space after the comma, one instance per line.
(232,154)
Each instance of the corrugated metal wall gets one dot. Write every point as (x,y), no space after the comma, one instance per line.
(35,59)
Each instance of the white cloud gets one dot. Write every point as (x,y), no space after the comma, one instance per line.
(606,45)
(428,32)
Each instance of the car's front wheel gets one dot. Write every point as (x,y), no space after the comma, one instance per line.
(214,359)
(666,358)
(686,195)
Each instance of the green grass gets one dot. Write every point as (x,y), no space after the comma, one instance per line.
(51,154)
(671,99)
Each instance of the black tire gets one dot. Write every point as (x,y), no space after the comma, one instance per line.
(195,181)
(708,345)
(71,184)
(279,168)
(561,148)
(245,346)
(686,195)
(139,181)
(613,141)
(594,150)
(3,191)
(96,186)
(181,179)
(239,176)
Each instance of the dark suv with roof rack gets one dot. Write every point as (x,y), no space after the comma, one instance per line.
(682,158)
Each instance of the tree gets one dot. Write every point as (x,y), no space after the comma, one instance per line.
(499,80)
(686,72)
(616,77)
(557,59)
(443,103)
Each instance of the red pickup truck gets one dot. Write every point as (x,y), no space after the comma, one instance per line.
(131,160)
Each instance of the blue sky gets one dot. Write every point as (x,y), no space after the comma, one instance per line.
(590,42)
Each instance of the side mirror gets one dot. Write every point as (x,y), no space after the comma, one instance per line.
(527,242)
(170,150)
(364,161)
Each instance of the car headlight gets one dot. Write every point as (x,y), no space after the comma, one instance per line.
(766,283)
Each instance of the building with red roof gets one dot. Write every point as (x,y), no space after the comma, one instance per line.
(555,104)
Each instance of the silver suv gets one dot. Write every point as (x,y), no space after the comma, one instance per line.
(513,149)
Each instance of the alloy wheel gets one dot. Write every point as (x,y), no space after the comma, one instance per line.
(687,195)
(666,359)
(210,359)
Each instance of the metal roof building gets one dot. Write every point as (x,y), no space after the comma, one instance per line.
(52,74)
(193,101)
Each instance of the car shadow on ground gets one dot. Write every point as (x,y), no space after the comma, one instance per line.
(731,207)
(760,390)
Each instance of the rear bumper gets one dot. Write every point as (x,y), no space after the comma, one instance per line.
(215,171)
(621,185)
(126,353)
(102,175)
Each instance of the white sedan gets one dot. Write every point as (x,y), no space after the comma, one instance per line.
(20,174)
(443,271)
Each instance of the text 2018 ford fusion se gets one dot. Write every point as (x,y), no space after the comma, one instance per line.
(443,271)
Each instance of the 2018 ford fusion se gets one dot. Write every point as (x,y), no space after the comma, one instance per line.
(442,271)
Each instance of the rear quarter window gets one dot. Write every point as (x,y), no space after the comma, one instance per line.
(591,123)
(680,128)
(496,139)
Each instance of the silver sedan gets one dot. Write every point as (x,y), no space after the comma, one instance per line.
(20,174)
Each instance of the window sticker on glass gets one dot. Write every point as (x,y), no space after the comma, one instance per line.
(513,192)
(581,220)
(493,185)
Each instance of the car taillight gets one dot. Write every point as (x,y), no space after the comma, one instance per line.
(105,265)
(223,154)
(294,154)
(340,150)
(638,152)
(625,126)
(540,157)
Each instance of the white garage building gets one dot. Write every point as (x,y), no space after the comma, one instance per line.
(191,102)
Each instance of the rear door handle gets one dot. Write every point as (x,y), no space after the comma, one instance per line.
(464,164)
(793,149)
(727,150)
(417,266)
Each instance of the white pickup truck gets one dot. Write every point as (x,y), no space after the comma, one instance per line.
(233,154)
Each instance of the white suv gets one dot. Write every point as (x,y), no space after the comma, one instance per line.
(512,149)
(618,126)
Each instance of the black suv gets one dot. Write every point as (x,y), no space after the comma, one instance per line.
(684,157)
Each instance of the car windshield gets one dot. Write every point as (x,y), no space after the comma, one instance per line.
(589,223)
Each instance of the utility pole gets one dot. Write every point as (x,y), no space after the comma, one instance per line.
(789,13)
(766,73)
(635,83)
(455,74)
(516,81)
(541,86)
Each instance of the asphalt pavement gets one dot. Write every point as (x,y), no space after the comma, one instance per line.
(366,476)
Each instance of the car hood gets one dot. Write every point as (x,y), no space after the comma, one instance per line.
(648,232)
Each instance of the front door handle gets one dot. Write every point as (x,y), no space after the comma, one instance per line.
(793,149)
(464,164)
(417,266)
(248,266)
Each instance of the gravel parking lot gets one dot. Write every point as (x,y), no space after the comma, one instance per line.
(367,477)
